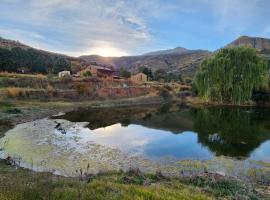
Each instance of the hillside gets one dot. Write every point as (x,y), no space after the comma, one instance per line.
(16,57)
(177,50)
(177,61)
(261,44)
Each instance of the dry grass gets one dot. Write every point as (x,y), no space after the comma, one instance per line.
(82,88)
(50,88)
(16,75)
(14,92)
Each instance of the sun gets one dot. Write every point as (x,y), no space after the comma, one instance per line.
(107,51)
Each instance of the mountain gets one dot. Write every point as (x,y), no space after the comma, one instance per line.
(261,44)
(178,60)
(177,50)
(10,44)
(17,57)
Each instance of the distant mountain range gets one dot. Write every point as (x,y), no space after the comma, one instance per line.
(177,50)
(178,60)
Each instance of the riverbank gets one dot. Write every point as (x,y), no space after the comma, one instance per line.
(13,112)
(24,184)
(114,184)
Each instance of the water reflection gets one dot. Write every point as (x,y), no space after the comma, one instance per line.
(234,132)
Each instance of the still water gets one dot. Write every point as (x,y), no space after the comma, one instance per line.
(149,138)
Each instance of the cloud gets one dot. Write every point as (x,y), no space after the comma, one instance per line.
(131,27)
(79,25)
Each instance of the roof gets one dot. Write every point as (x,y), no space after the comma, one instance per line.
(139,73)
(102,68)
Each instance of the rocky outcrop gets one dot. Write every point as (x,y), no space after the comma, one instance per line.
(261,44)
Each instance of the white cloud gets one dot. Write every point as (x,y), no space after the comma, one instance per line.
(82,26)
(77,24)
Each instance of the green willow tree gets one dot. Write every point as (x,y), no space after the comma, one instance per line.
(232,75)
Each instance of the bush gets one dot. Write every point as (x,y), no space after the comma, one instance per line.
(82,89)
(50,88)
(164,92)
(87,73)
(66,79)
(14,92)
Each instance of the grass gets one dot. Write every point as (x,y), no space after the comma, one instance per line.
(14,92)
(16,75)
(17,184)
(23,184)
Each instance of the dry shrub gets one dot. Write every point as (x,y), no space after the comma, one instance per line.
(14,92)
(185,88)
(82,88)
(4,73)
(66,79)
(50,88)
(40,77)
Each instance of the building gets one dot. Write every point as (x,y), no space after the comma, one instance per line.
(63,73)
(139,78)
(101,72)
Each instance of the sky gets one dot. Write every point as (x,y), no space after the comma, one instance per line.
(131,27)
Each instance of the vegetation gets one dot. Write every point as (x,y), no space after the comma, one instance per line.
(19,184)
(125,73)
(30,60)
(87,73)
(232,75)
(147,71)
(234,132)
(16,92)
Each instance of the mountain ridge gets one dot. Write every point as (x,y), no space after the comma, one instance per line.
(178,60)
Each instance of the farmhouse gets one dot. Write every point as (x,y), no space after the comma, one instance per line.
(101,72)
(63,73)
(139,78)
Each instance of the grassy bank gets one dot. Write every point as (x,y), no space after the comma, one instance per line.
(18,184)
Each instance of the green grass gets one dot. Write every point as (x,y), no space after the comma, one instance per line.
(23,184)
(17,184)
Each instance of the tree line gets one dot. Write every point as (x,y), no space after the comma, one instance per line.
(31,60)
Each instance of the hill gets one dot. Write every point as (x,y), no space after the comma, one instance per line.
(177,50)
(178,60)
(17,57)
(261,44)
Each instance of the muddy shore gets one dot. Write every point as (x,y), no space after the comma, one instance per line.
(13,112)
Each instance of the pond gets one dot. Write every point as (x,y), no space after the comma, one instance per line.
(169,138)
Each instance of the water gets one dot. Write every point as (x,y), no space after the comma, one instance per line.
(168,138)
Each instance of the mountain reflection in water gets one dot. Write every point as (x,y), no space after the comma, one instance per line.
(235,132)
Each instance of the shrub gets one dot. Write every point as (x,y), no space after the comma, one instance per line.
(14,92)
(66,79)
(82,89)
(40,77)
(164,92)
(87,73)
(50,88)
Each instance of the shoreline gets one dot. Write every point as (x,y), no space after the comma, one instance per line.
(37,110)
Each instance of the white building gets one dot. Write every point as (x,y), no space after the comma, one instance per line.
(63,73)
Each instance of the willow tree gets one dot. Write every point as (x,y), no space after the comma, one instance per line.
(232,75)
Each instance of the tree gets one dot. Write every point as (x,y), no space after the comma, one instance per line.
(147,71)
(160,74)
(232,75)
(87,73)
(124,73)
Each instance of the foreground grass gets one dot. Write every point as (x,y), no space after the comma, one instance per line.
(17,184)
